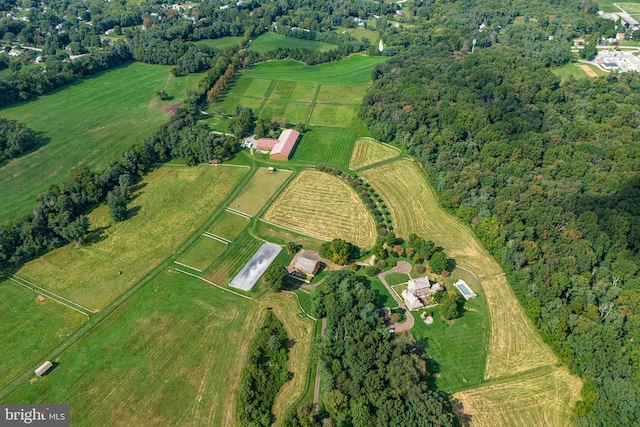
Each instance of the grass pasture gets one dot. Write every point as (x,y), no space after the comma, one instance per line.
(355,69)
(271,41)
(323,206)
(220,43)
(325,145)
(260,188)
(169,207)
(292,112)
(368,151)
(228,103)
(227,265)
(250,87)
(30,328)
(294,91)
(203,253)
(228,225)
(116,112)
(333,115)
(177,340)
(341,94)
(282,236)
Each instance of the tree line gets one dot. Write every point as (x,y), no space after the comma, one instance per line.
(16,139)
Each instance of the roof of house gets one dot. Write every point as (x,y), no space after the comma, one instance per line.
(411,299)
(286,142)
(267,143)
(419,283)
(306,265)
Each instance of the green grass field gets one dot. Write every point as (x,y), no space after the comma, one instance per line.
(260,188)
(294,91)
(228,103)
(384,297)
(272,41)
(170,206)
(396,278)
(325,145)
(292,112)
(228,225)
(341,94)
(282,236)
(238,253)
(368,151)
(333,115)
(355,69)
(205,251)
(250,87)
(456,349)
(630,7)
(29,328)
(221,42)
(569,69)
(116,112)
(162,358)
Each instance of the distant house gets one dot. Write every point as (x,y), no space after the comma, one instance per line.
(620,36)
(306,268)
(411,300)
(44,368)
(421,287)
(578,42)
(14,52)
(282,147)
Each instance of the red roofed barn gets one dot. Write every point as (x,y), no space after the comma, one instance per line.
(282,147)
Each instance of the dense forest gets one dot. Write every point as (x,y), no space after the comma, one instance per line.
(547,175)
(369,377)
(264,374)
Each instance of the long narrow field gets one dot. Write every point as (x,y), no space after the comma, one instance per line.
(272,41)
(228,225)
(282,236)
(172,203)
(87,123)
(260,188)
(325,145)
(368,151)
(334,115)
(177,340)
(30,328)
(203,252)
(232,260)
(220,43)
(323,206)
(355,69)
(514,345)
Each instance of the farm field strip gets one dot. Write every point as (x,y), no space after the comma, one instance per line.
(271,41)
(168,209)
(230,262)
(215,237)
(203,252)
(323,206)
(55,297)
(258,191)
(116,114)
(325,145)
(368,151)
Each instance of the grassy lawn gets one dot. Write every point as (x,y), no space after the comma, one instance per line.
(355,69)
(396,278)
(237,254)
(87,123)
(341,94)
(456,349)
(325,145)
(272,41)
(334,115)
(228,225)
(294,91)
(323,206)
(281,236)
(292,112)
(384,297)
(632,8)
(216,123)
(260,188)
(203,253)
(368,151)
(29,328)
(177,340)
(221,42)
(171,204)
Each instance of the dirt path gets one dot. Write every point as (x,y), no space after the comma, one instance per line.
(316,389)
(405,268)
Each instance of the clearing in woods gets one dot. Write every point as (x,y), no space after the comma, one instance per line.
(168,208)
(220,43)
(177,339)
(228,225)
(323,206)
(30,328)
(368,151)
(325,145)
(272,41)
(203,253)
(514,345)
(260,188)
(116,114)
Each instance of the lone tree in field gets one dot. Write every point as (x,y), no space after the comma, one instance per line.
(438,262)
(276,276)
(449,307)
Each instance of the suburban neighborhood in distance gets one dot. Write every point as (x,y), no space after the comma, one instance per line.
(306,214)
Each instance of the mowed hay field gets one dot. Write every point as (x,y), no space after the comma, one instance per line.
(228,225)
(260,188)
(341,94)
(203,252)
(334,115)
(325,145)
(368,151)
(87,123)
(172,203)
(29,328)
(272,41)
(323,206)
(177,339)
(514,345)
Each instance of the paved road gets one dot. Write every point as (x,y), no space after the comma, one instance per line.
(316,389)
(401,267)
